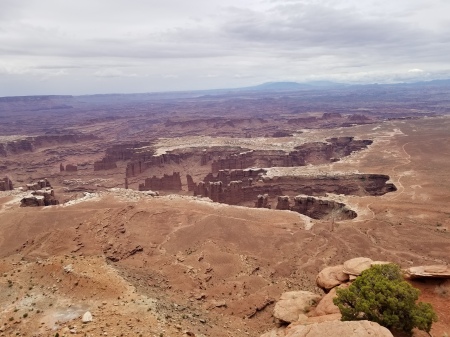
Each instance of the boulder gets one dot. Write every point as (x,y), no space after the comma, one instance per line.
(434,271)
(326,305)
(376,263)
(339,328)
(357,265)
(278,332)
(305,320)
(87,317)
(331,277)
(294,303)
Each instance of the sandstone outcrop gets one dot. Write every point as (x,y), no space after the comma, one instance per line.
(331,277)
(137,151)
(247,176)
(357,265)
(434,271)
(320,209)
(283,202)
(41,184)
(294,303)
(190,182)
(29,144)
(68,168)
(351,184)
(326,305)
(338,328)
(105,164)
(278,332)
(166,182)
(306,320)
(42,195)
(6,184)
(262,201)
(331,115)
(238,192)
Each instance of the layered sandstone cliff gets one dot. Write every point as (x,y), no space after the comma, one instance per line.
(6,184)
(167,182)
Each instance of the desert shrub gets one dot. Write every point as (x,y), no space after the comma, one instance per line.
(381,295)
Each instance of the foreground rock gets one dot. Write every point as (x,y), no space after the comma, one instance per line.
(357,265)
(331,277)
(326,305)
(294,303)
(435,271)
(87,317)
(338,328)
(278,332)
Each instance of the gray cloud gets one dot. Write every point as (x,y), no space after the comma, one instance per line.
(202,44)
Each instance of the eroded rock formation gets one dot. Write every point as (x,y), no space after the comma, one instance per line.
(6,184)
(137,151)
(434,271)
(283,202)
(338,328)
(29,144)
(105,164)
(352,184)
(68,168)
(294,303)
(262,201)
(42,195)
(237,158)
(354,267)
(321,209)
(331,277)
(247,176)
(169,183)
(40,184)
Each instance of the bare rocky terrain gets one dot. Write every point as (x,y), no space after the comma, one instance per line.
(189,214)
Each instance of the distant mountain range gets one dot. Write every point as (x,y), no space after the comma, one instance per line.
(293,86)
(269,86)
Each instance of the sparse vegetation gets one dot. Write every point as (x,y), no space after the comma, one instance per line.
(442,290)
(381,295)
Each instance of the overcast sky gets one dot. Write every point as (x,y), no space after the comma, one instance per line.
(104,46)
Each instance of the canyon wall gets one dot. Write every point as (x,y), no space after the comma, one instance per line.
(167,182)
(29,144)
(351,184)
(6,184)
(322,209)
(137,151)
(105,164)
(316,208)
(68,168)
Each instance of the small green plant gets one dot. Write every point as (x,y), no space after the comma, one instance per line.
(381,295)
